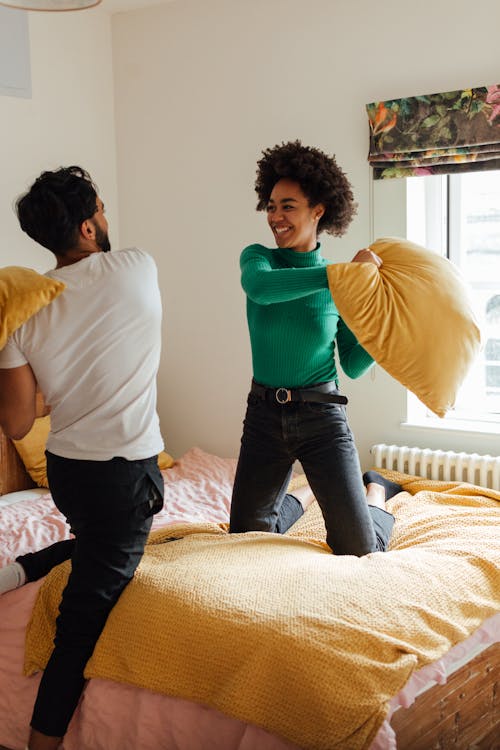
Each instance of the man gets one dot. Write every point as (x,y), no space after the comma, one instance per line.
(94,353)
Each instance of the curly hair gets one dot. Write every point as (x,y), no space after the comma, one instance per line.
(55,206)
(319,176)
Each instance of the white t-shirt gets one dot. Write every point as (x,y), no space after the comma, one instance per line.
(95,352)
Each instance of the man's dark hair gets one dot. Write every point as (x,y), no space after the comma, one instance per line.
(319,176)
(55,206)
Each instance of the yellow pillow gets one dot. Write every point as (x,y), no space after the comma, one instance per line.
(414,317)
(31,449)
(165,461)
(23,292)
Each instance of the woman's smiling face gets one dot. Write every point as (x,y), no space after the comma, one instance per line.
(293,221)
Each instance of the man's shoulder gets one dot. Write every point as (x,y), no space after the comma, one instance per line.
(131,254)
(100,263)
(130,258)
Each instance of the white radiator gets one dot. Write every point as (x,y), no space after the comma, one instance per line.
(436,464)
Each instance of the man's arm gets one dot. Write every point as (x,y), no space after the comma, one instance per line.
(17,401)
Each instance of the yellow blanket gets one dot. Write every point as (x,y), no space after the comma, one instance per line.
(276,631)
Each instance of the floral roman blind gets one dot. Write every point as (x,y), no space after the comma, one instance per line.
(457,131)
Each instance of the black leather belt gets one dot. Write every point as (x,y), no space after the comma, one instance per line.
(325,393)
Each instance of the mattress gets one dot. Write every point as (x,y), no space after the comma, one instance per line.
(113,715)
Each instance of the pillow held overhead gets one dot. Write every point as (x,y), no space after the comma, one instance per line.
(23,292)
(413,315)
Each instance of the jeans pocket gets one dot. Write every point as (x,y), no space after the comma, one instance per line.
(253,400)
(155,499)
(320,407)
(145,510)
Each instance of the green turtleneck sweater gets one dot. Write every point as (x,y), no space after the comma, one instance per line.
(293,321)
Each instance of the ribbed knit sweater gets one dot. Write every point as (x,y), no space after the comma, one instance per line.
(293,321)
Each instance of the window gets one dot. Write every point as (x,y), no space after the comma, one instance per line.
(459,217)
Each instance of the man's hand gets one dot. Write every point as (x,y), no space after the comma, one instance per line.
(367,256)
(17,401)
(42,408)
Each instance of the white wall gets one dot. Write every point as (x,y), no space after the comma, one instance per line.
(201,87)
(68,120)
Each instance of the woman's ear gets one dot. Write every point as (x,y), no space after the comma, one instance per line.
(318,211)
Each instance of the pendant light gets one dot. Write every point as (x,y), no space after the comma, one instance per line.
(50,5)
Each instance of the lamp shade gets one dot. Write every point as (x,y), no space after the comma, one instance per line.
(52,5)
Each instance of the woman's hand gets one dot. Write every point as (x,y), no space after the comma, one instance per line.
(367,256)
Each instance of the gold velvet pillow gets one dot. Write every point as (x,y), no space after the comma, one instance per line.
(31,449)
(414,317)
(165,461)
(23,292)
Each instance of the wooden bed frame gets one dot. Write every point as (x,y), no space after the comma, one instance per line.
(463,714)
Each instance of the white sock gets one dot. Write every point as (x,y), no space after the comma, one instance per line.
(12,577)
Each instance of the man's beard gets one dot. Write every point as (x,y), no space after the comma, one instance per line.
(102,240)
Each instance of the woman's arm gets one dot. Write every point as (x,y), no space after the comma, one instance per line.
(355,360)
(267,285)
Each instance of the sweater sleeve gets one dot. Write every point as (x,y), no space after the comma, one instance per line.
(266,285)
(354,359)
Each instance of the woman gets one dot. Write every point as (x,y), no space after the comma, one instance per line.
(295,410)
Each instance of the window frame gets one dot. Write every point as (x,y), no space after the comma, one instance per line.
(433,211)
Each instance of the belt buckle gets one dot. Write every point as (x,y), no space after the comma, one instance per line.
(283,395)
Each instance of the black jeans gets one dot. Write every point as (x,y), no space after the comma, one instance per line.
(318,435)
(109,506)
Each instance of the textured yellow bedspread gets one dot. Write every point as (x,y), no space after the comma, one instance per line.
(276,631)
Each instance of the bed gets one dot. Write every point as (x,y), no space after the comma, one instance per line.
(439,691)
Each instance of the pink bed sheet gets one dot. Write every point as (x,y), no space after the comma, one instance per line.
(197,488)
(112,716)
